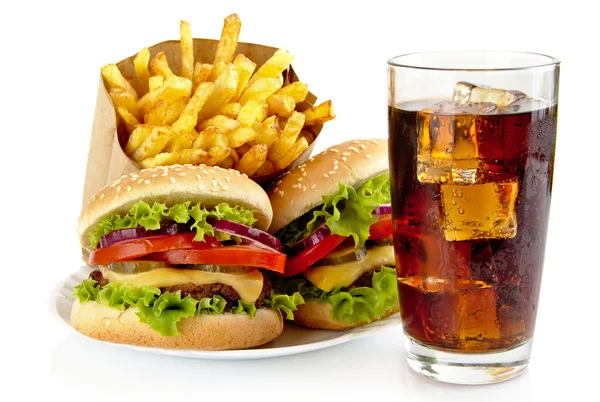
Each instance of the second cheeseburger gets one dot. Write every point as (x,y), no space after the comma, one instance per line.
(333,217)
(181,252)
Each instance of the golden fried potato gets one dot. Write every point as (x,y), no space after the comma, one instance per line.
(292,154)
(114,79)
(189,116)
(218,154)
(266,168)
(180,141)
(152,145)
(229,39)
(160,66)
(244,67)
(261,89)
(252,160)
(288,137)
(224,89)
(201,74)
(155,82)
(186,44)
(171,91)
(241,135)
(162,159)
(273,67)
(205,138)
(130,121)
(319,114)
(174,109)
(217,70)
(253,111)
(268,131)
(297,90)
(231,110)
(223,123)
(137,138)
(157,116)
(140,65)
(121,97)
(280,105)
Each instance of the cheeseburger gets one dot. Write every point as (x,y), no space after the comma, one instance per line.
(181,253)
(333,217)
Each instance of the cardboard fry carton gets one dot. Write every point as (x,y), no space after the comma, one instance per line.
(106,159)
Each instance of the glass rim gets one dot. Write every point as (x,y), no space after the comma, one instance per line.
(550,61)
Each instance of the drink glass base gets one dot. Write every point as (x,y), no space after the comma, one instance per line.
(464,367)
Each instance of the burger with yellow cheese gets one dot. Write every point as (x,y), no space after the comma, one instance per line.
(333,217)
(181,254)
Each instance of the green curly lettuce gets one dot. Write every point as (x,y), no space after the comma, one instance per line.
(150,217)
(348,212)
(162,311)
(361,304)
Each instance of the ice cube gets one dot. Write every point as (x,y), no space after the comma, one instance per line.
(477,317)
(480,211)
(465,92)
(448,149)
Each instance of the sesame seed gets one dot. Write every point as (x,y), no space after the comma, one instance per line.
(278,183)
(363,147)
(375,142)
(281,193)
(344,158)
(225,188)
(93,198)
(214,183)
(238,174)
(303,188)
(165,174)
(355,141)
(326,176)
(313,186)
(154,175)
(201,187)
(336,162)
(143,170)
(178,169)
(198,175)
(124,176)
(304,174)
(299,178)
(245,175)
(332,172)
(128,188)
(140,181)
(102,196)
(172,179)
(220,183)
(354,149)
(134,177)
(147,181)
(115,183)
(210,170)
(336,167)
(182,174)
(276,189)
(118,189)
(228,179)
(334,150)
(368,156)
(345,154)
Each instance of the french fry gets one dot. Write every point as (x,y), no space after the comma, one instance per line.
(160,66)
(308,134)
(189,116)
(297,90)
(242,149)
(205,138)
(223,123)
(201,74)
(172,90)
(152,145)
(241,135)
(162,159)
(231,110)
(288,136)
(121,97)
(244,67)
(128,119)
(186,43)
(193,156)
(219,140)
(155,82)
(140,65)
(266,168)
(137,138)
(253,159)
(180,141)
(217,70)
(292,154)
(319,114)
(261,89)
(252,112)
(268,131)
(280,105)
(273,67)
(224,89)
(228,162)
(229,39)
(114,79)
(157,116)
(174,109)
(217,154)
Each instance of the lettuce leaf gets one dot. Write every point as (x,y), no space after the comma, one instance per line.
(362,304)
(150,217)
(163,311)
(348,212)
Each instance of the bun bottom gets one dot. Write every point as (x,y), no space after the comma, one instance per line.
(218,332)
(318,316)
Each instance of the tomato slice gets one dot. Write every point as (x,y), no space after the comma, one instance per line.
(131,249)
(231,255)
(381,229)
(308,257)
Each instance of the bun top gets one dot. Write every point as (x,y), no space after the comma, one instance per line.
(209,185)
(301,189)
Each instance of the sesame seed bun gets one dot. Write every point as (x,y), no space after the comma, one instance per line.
(176,184)
(318,316)
(301,189)
(205,332)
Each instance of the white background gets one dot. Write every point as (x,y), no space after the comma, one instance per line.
(49,68)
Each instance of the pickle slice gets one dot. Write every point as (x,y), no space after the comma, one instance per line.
(135,267)
(381,242)
(343,255)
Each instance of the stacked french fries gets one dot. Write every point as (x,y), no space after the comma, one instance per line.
(228,113)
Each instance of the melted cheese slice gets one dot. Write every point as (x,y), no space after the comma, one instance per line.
(327,277)
(247,284)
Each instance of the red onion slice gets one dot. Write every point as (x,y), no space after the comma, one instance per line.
(138,232)
(385,209)
(308,242)
(252,235)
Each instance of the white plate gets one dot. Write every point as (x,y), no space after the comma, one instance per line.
(293,340)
